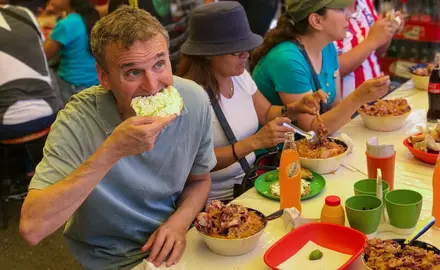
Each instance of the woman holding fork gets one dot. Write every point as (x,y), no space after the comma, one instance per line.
(298,58)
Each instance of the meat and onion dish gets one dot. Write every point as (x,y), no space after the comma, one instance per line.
(319,151)
(327,148)
(228,221)
(388,254)
(392,107)
(424,71)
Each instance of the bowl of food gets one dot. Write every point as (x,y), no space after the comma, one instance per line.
(394,254)
(420,75)
(424,148)
(385,115)
(230,230)
(322,158)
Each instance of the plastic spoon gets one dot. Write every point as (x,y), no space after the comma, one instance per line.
(425,225)
(379,191)
(274,215)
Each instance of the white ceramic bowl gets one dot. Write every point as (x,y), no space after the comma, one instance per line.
(384,123)
(326,165)
(366,267)
(233,247)
(420,82)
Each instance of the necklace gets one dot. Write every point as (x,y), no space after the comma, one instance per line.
(231,91)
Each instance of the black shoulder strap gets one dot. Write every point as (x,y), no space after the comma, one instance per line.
(306,56)
(226,128)
(301,48)
(22,19)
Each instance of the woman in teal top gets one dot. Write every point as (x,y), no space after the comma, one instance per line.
(285,69)
(283,74)
(70,38)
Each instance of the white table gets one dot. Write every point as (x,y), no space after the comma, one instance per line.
(410,173)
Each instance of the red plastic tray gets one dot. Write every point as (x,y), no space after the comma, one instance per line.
(339,238)
(423,156)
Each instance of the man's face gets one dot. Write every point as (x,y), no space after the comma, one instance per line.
(142,70)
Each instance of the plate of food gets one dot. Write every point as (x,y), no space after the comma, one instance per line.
(230,230)
(394,254)
(425,145)
(268,185)
(385,115)
(420,75)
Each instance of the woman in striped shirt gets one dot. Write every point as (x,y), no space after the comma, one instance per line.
(368,36)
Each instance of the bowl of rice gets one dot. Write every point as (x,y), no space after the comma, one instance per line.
(230,230)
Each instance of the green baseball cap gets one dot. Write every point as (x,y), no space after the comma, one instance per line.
(298,10)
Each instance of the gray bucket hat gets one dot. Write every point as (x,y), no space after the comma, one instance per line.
(219,28)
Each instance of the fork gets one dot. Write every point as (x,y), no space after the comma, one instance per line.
(310,136)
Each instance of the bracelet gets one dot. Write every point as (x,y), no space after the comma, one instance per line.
(284,110)
(233,152)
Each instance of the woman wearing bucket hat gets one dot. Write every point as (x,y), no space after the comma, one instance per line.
(298,57)
(215,56)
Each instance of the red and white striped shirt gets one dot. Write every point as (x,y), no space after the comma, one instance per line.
(359,26)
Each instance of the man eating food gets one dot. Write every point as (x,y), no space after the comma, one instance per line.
(128,186)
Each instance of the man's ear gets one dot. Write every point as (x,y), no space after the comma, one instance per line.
(102,77)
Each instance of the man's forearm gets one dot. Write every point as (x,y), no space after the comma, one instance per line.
(349,61)
(44,211)
(192,200)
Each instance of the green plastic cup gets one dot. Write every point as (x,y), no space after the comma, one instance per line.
(404,207)
(368,187)
(364,213)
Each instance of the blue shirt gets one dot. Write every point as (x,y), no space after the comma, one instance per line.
(140,192)
(77,64)
(284,69)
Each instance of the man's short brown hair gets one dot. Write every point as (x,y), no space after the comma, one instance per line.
(124,26)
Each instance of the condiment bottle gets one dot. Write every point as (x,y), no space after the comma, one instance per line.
(332,211)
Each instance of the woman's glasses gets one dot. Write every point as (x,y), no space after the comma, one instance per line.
(239,53)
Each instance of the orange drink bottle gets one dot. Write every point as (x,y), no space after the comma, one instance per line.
(436,194)
(290,174)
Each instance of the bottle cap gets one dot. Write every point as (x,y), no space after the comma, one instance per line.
(332,200)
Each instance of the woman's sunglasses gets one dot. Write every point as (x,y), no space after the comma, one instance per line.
(238,53)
